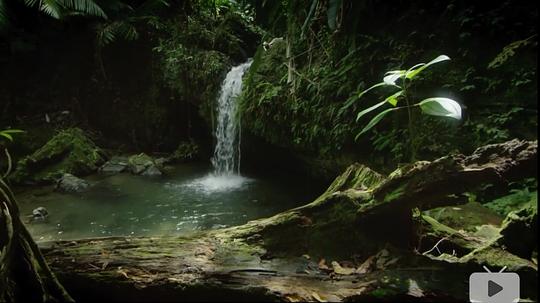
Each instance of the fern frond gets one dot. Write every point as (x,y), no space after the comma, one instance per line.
(51,8)
(87,7)
(4,19)
(150,6)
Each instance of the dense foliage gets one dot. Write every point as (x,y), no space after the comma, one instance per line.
(300,88)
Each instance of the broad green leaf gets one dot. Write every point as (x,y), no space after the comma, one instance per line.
(391,79)
(393,99)
(12,131)
(375,120)
(441,107)
(414,72)
(369,109)
(392,72)
(408,72)
(367,90)
(6,135)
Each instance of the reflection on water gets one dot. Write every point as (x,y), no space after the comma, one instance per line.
(189,199)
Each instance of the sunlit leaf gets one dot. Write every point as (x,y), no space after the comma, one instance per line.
(391,79)
(441,107)
(393,99)
(7,133)
(392,72)
(414,72)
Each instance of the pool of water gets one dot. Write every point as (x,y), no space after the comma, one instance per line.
(188,199)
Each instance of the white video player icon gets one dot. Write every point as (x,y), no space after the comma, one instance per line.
(499,287)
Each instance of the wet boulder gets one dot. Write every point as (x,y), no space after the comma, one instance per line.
(70,151)
(142,164)
(115,166)
(39,214)
(186,151)
(71,184)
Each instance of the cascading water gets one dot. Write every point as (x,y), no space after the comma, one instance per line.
(226,159)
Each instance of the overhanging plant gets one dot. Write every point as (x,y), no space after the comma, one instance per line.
(401,81)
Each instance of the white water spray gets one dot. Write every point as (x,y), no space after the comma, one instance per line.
(226,159)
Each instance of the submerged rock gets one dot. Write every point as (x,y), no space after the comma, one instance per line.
(152,171)
(142,164)
(71,184)
(39,214)
(70,151)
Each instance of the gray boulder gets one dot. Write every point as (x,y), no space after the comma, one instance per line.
(144,165)
(152,171)
(71,184)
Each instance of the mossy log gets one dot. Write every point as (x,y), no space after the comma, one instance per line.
(276,258)
(24,274)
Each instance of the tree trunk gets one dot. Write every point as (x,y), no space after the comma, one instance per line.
(24,274)
(280,258)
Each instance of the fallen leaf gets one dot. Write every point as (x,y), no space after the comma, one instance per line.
(104,265)
(367,266)
(317,297)
(342,270)
(391,261)
(322,265)
(382,258)
(122,272)
(294,298)
(414,289)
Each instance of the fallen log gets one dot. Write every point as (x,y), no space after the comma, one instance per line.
(276,258)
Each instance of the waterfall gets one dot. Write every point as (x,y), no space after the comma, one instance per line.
(226,159)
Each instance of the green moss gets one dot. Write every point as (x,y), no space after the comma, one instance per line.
(70,151)
(395,194)
(186,151)
(513,201)
(356,176)
(466,217)
(384,292)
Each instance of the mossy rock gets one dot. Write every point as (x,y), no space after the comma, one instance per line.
(143,164)
(519,231)
(186,151)
(70,151)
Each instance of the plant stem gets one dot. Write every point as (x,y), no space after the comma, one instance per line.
(410,123)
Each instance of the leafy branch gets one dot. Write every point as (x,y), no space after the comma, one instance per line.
(401,80)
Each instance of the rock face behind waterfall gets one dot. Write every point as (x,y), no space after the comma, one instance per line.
(226,159)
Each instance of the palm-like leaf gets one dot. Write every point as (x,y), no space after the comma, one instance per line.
(51,8)
(3,14)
